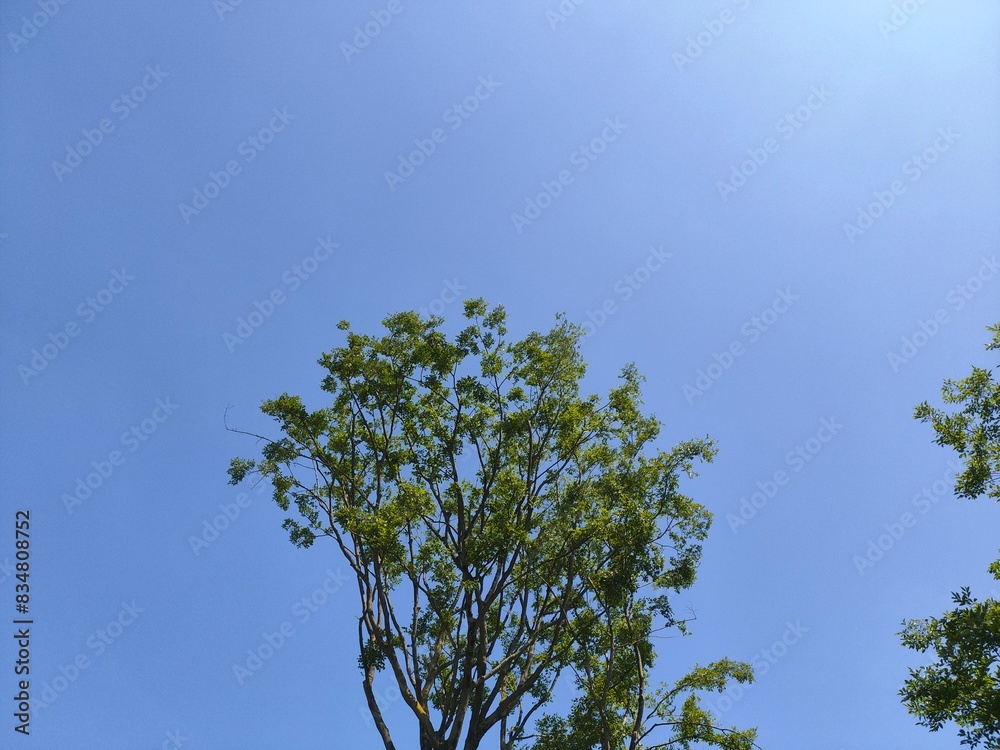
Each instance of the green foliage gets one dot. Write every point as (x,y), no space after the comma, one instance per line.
(963,685)
(974,429)
(503,528)
(637,717)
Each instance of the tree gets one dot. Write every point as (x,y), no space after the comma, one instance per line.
(963,685)
(974,430)
(502,529)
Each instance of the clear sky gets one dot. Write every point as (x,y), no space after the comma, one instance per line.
(784,213)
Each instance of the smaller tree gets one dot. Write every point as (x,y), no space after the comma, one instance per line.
(963,685)
(973,430)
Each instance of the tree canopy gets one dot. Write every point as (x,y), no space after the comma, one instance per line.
(503,530)
(963,684)
(973,430)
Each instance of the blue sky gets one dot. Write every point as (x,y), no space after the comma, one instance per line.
(784,214)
